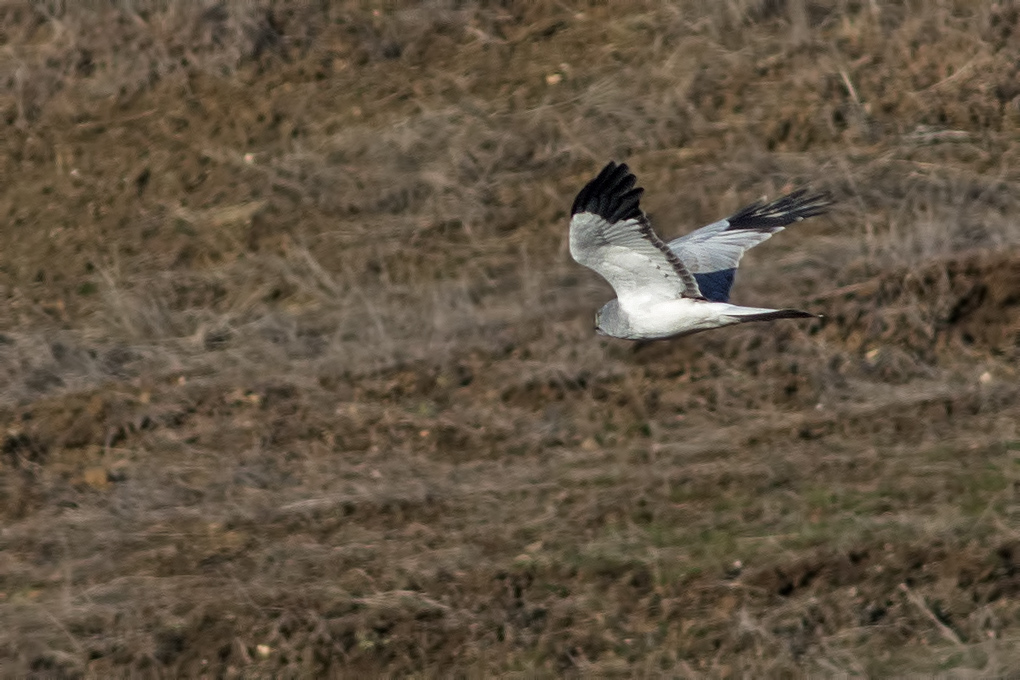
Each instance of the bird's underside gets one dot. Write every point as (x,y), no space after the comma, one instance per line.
(681,287)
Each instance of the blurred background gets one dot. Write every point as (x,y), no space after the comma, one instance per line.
(297,376)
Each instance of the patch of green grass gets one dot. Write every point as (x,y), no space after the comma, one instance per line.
(982,490)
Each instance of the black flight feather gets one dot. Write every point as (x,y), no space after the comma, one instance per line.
(761,216)
(611,195)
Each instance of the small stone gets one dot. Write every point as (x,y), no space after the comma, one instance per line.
(96,477)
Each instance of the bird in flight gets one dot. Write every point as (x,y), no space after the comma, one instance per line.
(666,290)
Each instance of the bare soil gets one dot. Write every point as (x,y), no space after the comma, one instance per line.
(297,377)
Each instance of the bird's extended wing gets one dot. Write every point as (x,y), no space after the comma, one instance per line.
(611,235)
(712,253)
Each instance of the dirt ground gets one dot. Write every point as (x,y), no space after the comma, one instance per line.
(297,377)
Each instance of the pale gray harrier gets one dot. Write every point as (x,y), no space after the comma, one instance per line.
(667,290)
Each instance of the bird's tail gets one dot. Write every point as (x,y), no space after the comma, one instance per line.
(749,314)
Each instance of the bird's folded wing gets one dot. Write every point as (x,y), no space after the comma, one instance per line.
(611,235)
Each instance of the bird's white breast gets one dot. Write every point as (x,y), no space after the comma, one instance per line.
(670,317)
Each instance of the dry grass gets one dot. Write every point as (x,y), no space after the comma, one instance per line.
(298,377)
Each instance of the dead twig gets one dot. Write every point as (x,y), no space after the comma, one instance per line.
(947,632)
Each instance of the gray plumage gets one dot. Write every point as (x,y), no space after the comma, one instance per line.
(670,289)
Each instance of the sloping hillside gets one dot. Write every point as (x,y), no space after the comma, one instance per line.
(297,376)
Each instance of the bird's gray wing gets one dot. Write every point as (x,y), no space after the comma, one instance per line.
(720,245)
(611,235)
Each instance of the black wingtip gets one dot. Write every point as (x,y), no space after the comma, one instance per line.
(793,207)
(611,195)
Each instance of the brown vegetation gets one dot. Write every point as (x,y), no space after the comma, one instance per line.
(297,377)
